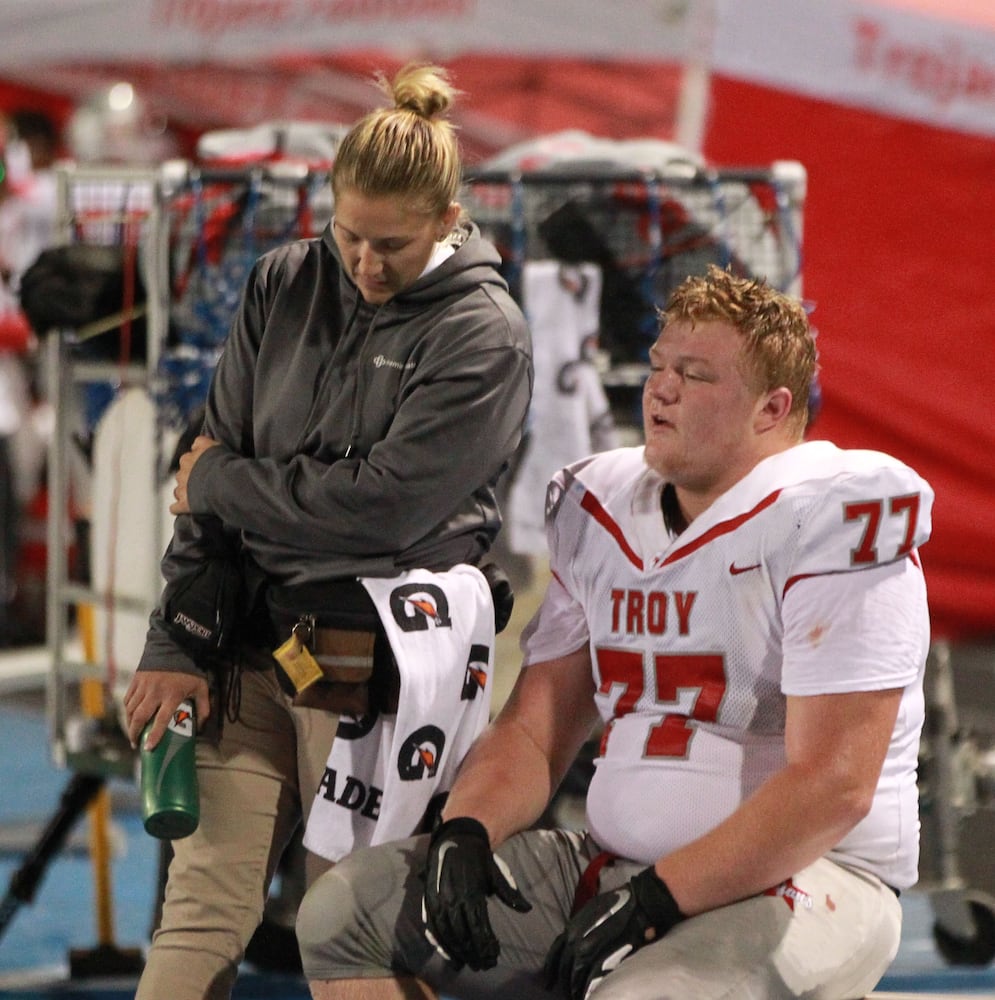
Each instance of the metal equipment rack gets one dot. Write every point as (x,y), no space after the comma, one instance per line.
(647,229)
(165,219)
(167,344)
(104,207)
(956,798)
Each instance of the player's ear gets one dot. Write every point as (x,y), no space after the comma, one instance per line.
(773,408)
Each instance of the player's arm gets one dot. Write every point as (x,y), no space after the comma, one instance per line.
(503,786)
(835,745)
(508,778)
(872,630)
(512,770)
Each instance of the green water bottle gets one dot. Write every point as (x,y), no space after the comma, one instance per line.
(170,797)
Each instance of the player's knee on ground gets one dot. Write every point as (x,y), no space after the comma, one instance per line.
(324,923)
(362,918)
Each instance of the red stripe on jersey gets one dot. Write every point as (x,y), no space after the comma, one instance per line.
(591,505)
(720,529)
(913,556)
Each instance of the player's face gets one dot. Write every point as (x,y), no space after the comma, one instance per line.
(384,242)
(699,414)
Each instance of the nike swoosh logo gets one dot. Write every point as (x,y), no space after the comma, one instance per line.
(736,570)
(443,851)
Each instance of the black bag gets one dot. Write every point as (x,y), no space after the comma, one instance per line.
(346,604)
(79,284)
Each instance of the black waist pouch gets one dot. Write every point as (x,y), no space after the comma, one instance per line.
(341,604)
(336,621)
(326,618)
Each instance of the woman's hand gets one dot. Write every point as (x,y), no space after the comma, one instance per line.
(181,504)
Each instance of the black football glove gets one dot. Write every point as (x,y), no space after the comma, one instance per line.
(460,874)
(606,930)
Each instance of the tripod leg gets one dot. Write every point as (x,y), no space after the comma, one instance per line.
(24,884)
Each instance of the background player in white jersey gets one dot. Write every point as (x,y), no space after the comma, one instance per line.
(745,613)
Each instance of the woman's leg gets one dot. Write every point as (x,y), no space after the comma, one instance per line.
(218,877)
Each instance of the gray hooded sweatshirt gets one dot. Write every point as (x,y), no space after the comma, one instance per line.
(357,440)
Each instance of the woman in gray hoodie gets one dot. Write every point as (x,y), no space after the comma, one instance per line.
(372,390)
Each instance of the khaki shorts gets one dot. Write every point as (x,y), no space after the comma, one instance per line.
(833,934)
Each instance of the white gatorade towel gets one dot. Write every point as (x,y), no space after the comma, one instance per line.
(384,772)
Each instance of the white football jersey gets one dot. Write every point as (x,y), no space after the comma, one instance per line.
(802,579)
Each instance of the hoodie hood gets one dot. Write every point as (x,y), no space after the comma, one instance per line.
(475,263)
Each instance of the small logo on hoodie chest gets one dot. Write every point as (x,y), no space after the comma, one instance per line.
(382,361)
